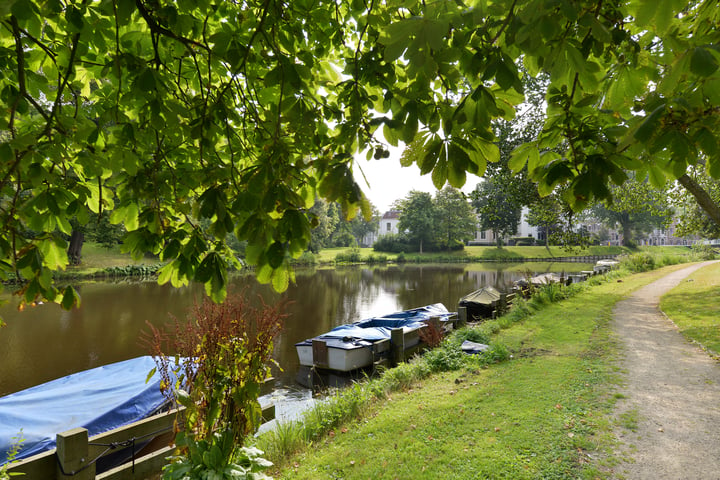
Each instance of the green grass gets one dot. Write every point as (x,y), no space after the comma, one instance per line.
(694,307)
(96,257)
(482,253)
(543,414)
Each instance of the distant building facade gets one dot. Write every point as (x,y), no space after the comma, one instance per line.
(487,237)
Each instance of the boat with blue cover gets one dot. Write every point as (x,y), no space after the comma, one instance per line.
(356,345)
(100,399)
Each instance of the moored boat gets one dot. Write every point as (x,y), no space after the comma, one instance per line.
(486,302)
(357,345)
(99,400)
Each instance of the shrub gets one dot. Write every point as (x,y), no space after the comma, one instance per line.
(639,262)
(307,258)
(701,251)
(349,256)
(219,360)
(375,259)
(473,334)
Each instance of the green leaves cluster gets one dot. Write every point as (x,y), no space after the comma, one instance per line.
(192,120)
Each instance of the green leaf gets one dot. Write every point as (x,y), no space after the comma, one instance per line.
(276,254)
(440,173)
(150,374)
(281,279)
(127,215)
(489,150)
(54,254)
(657,176)
(702,62)
(6,153)
(648,127)
(70,298)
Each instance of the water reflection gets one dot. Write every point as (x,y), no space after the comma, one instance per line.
(44,342)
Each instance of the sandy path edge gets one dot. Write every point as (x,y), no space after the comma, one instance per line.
(672,386)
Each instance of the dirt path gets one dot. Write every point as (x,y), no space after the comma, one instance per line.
(672,393)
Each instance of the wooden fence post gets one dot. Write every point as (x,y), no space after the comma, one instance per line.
(72,455)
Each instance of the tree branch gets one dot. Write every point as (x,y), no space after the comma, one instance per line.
(706,202)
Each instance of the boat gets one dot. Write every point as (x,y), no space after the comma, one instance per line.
(357,345)
(100,399)
(485,302)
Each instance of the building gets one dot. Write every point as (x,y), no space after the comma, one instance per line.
(487,237)
(389,223)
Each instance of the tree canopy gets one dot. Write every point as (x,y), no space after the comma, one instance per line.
(164,114)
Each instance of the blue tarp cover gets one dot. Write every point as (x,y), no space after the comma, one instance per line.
(99,400)
(378,328)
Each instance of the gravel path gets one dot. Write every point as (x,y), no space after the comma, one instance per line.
(671,387)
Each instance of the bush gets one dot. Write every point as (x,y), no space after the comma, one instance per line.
(349,256)
(701,251)
(639,262)
(219,388)
(376,259)
(307,258)
(523,241)
(393,243)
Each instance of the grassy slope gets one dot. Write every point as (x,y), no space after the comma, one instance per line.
(543,414)
(694,307)
(494,253)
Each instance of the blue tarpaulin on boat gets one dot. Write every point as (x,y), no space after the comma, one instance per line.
(99,400)
(378,328)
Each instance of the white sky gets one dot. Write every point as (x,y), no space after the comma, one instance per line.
(388,181)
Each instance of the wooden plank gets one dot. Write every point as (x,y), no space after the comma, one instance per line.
(145,428)
(142,468)
(320,353)
(41,465)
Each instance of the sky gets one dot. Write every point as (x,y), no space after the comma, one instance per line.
(389,181)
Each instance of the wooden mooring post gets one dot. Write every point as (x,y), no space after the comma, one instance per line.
(397,345)
(462,316)
(72,455)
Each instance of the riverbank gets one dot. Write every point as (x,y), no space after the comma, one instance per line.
(546,413)
(100,262)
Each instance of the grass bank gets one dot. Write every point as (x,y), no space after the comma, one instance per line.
(484,254)
(694,307)
(544,413)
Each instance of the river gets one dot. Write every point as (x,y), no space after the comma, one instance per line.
(44,342)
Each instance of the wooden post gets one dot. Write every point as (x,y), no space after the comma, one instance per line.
(72,455)
(462,316)
(397,345)
(320,353)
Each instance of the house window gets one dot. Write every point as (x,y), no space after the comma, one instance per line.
(482,235)
(389,228)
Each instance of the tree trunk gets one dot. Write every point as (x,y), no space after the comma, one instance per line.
(702,197)
(76,243)
(627,230)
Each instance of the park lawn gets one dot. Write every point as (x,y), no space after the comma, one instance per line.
(96,257)
(546,413)
(491,253)
(694,307)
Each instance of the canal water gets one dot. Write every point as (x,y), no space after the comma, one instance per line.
(44,342)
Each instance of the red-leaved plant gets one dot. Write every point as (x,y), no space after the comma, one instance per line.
(214,364)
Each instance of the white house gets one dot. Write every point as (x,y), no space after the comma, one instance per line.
(389,223)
